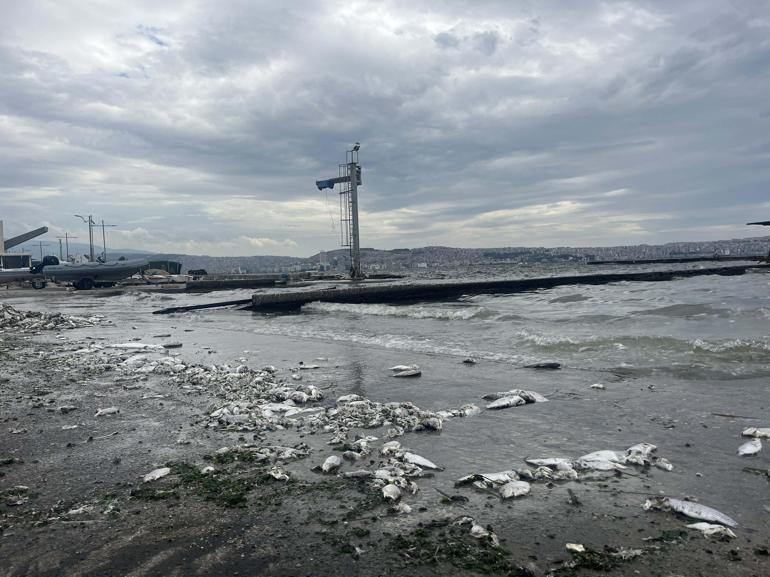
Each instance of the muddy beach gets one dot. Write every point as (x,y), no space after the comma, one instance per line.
(282,461)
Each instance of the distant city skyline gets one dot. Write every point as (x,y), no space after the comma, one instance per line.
(200,128)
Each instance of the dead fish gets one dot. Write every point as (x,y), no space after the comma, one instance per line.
(359,474)
(331,464)
(390,448)
(763,432)
(601,461)
(506,402)
(551,462)
(156,474)
(598,386)
(514,489)
(480,532)
(408,373)
(528,396)
(402,509)
(391,492)
(107,411)
(750,448)
(431,424)
(547,366)
(352,456)
(664,464)
(278,474)
(415,459)
(345,399)
(399,368)
(135,346)
(488,478)
(710,530)
(639,454)
(689,509)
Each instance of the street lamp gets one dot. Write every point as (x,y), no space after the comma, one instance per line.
(104,240)
(90,223)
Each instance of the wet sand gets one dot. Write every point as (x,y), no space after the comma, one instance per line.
(86,511)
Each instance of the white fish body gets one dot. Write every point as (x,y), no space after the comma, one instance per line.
(278,474)
(514,489)
(750,448)
(501,477)
(390,448)
(401,368)
(528,396)
(551,462)
(759,432)
(136,346)
(359,474)
(415,459)
(391,492)
(664,464)
(331,464)
(344,399)
(470,410)
(408,373)
(156,474)
(107,411)
(710,530)
(693,510)
(505,402)
(640,453)
(601,461)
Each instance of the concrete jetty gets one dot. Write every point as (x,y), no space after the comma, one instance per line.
(401,292)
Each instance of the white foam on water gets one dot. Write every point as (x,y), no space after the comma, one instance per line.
(408,311)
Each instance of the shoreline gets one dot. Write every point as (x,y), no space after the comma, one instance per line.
(87,511)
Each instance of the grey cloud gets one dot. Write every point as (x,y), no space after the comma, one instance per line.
(462,110)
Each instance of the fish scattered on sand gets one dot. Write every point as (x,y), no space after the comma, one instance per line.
(402,368)
(107,411)
(391,492)
(156,474)
(690,509)
(416,459)
(710,530)
(331,464)
(505,402)
(528,396)
(514,489)
(408,373)
(759,432)
(750,448)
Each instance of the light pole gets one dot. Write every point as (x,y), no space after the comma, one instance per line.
(104,239)
(90,223)
(66,238)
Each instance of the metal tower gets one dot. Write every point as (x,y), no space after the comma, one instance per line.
(350,179)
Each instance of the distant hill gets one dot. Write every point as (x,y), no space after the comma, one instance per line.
(434,256)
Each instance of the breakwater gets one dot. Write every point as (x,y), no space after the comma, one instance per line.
(392,293)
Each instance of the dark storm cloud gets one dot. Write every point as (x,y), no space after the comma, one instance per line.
(203,127)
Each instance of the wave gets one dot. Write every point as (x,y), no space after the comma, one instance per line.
(739,348)
(734,345)
(396,342)
(409,311)
(685,311)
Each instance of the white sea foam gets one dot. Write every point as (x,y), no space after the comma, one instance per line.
(409,311)
(393,341)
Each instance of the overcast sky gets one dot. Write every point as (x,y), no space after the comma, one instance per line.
(200,127)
